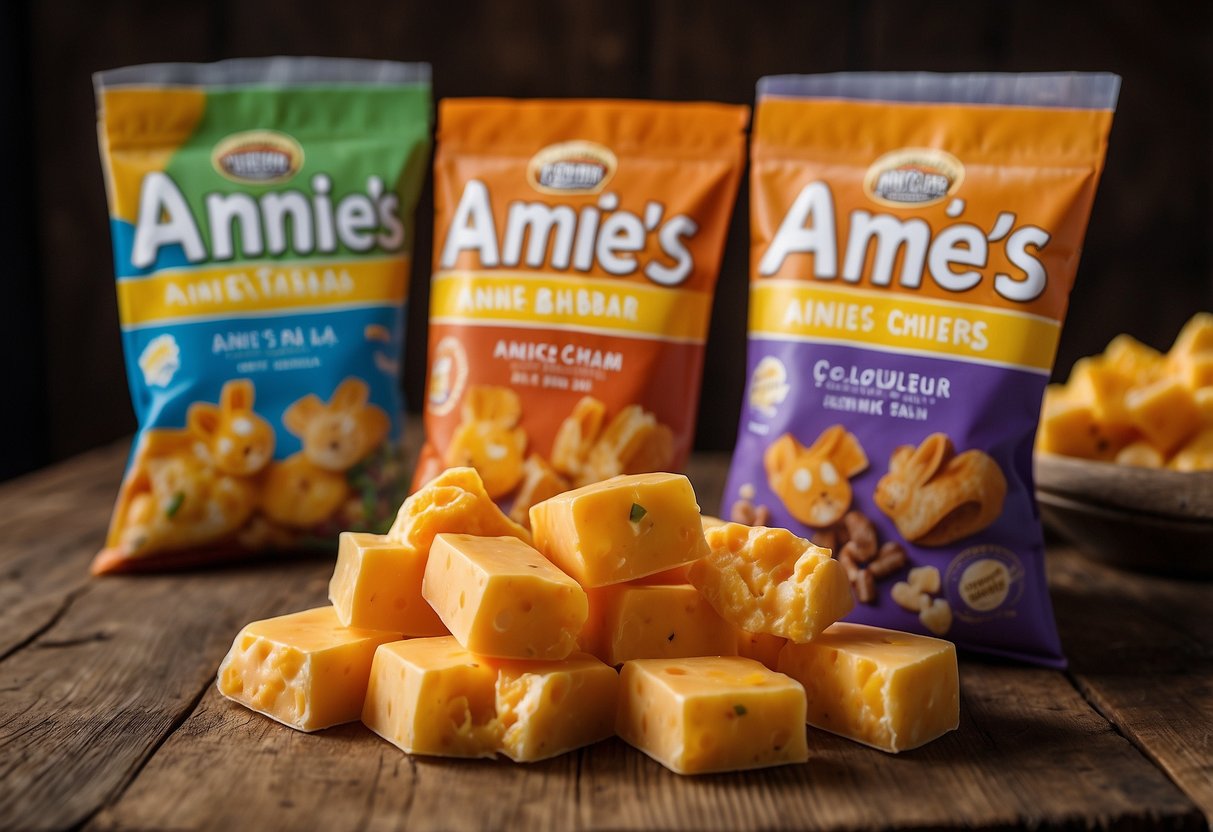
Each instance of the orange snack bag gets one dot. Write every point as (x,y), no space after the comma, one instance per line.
(576,251)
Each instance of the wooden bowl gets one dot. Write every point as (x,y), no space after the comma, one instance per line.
(1144,519)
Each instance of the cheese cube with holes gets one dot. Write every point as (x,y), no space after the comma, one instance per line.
(887,689)
(501,598)
(454,501)
(305,669)
(760,647)
(653,621)
(548,708)
(703,715)
(619,529)
(771,581)
(377,583)
(431,696)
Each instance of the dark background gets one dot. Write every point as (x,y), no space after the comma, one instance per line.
(1146,265)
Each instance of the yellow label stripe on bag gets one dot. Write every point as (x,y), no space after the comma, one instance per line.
(591,304)
(796,309)
(270,287)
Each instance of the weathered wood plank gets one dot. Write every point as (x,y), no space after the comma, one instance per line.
(1029,752)
(272,777)
(1141,651)
(84,704)
(52,524)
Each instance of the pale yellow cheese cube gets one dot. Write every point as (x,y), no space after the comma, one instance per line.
(305,669)
(1164,412)
(431,696)
(1141,454)
(702,715)
(761,647)
(654,621)
(499,597)
(887,689)
(454,501)
(619,529)
(771,581)
(377,583)
(548,708)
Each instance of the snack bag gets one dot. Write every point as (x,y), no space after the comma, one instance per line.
(576,251)
(914,243)
(261,213)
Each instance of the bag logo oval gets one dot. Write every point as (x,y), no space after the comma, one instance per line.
(913,177)
(577,167)
(258,157)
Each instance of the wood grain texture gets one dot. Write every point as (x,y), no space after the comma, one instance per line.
(1121,630)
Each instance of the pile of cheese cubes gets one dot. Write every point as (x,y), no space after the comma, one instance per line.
(1136,406)
(461,633)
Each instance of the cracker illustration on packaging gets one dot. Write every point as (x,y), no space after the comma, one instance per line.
(489,438)
(814,482)
(936,496)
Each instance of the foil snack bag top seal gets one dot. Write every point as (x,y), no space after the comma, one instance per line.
(914,241)
(576,250)
(261,215)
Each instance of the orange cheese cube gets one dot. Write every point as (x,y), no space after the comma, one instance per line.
(1194,369)
(431,696)
(1102,386)
(619,529)
(1068,427)
(1196,336)
(548,708)
(377,584)
(454,501)
(771,581)
(1196,455)
(702,715)
(304,669)
(1204,405)
(761,647)
(647,621)
(501,598)
(1134,359)
(887,689)
(1164,412)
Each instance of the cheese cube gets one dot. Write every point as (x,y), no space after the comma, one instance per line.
(1134,359)
(377,584)
(1068,427)
(1140,453)
(771,581)
(1164,412)
(652,621)
(1194,369)
(708,521)
(619,529)
(1196,336)
(304,669)
(501,598)
(760,647)
(1102,386)
(1204,406)
(548,708)
(454,501)
(1196,455)
(887,689)
(431,696)
(702,715)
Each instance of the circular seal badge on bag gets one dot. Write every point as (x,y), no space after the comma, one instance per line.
(576,167)
(257,157)
(987,581)
(913,177)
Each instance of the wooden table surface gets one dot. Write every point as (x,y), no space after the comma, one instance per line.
(109,717)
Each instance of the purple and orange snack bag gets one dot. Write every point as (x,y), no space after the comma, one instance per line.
(914,241)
